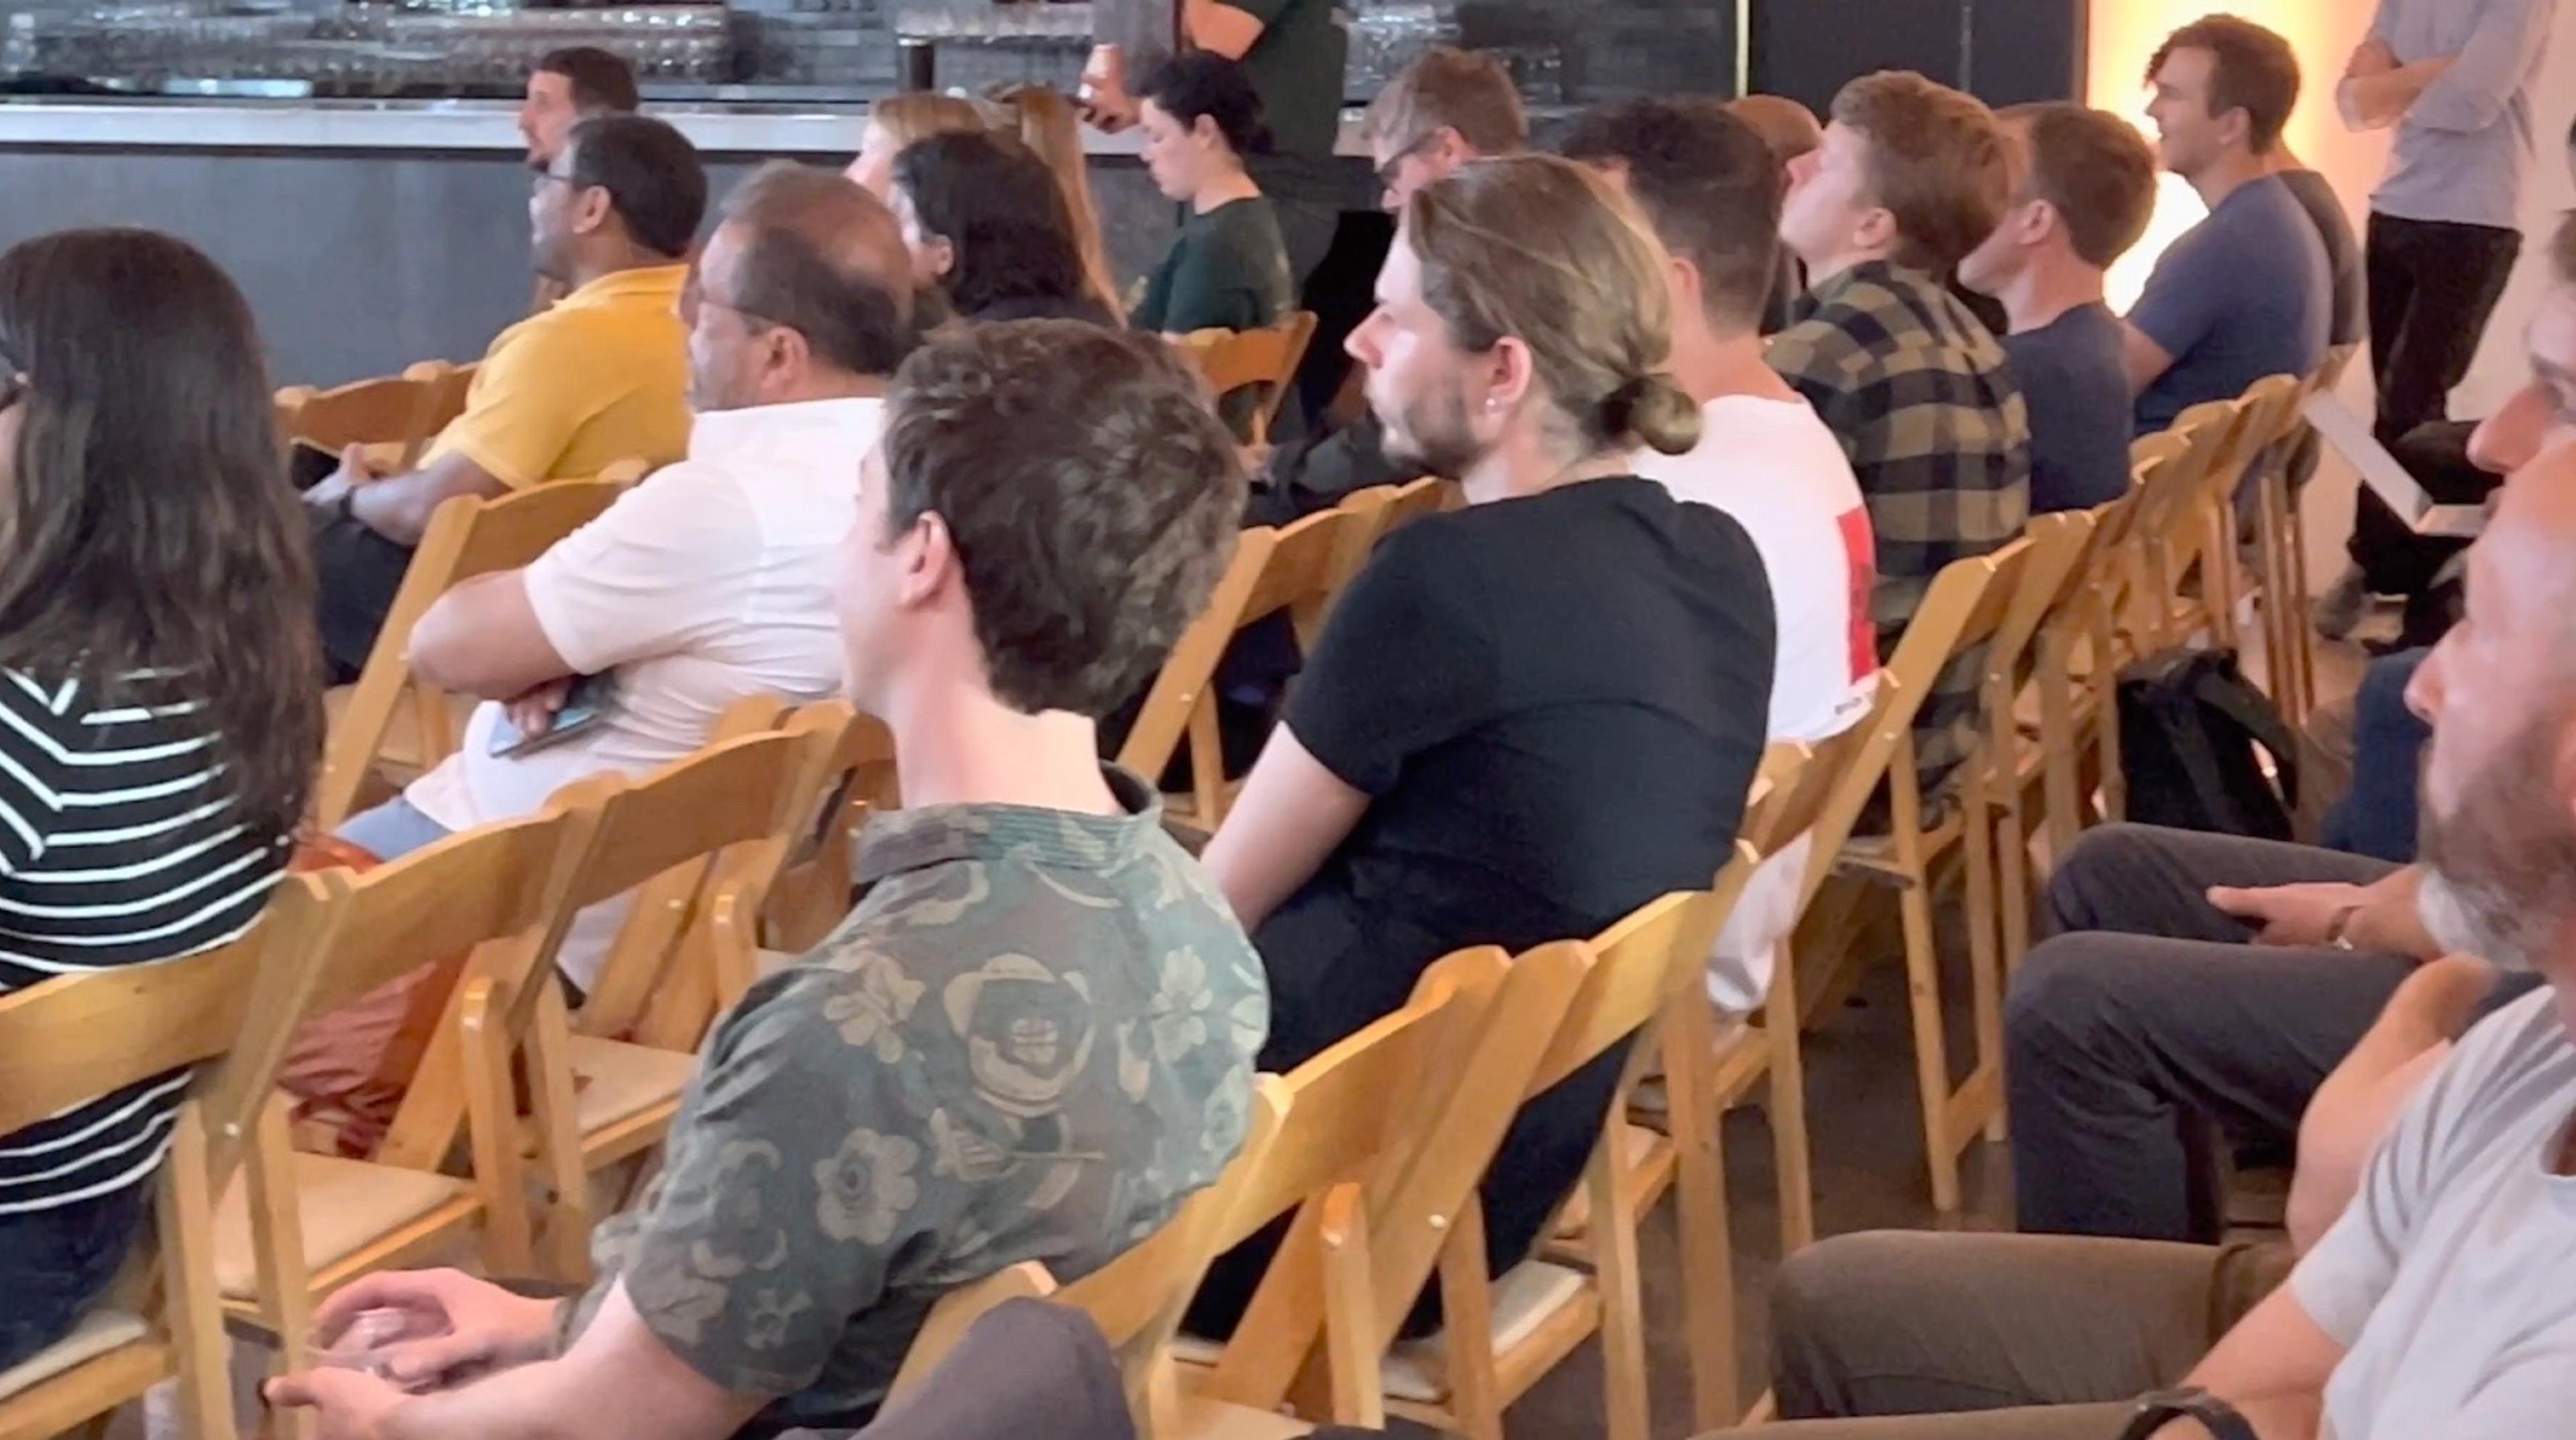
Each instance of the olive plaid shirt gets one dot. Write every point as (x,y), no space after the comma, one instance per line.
(1919,394)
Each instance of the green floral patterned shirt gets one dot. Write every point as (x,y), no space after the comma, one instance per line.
(1031,1040)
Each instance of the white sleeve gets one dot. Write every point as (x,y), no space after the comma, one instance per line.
(669,563)
(2344,1278)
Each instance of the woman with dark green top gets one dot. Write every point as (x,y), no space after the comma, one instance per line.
(1227,269)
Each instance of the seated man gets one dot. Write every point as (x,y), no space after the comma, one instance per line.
(567,87)
(708,582)
(1917,391)
(1790,130)
(1446,108)
(2122,1046)
(1527,717)
(1709,186)
(598,379)
(2245,293)
(2434,1303)
(1033,1038)
(2088,188)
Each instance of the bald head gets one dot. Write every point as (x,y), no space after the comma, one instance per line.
(1789,128)
(809,250)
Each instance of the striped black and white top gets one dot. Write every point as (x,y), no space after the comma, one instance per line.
(116,848)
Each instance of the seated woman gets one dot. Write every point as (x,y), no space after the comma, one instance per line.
(1528,717)
(898,121)
(1228,268)
(1049,124)
(987,227)
(162,686)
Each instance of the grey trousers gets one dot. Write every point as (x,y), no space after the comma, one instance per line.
(1908,1335)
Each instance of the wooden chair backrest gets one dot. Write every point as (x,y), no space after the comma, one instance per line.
(723,819)
(1188,671)
(1138,1299)
(1233,360)
(499,894)
(1371,506)
(1426,496)
(1963,605)
(1797,781)
(1305,569)
(2050,576)
(386,410)
(467,537)
(1638,966)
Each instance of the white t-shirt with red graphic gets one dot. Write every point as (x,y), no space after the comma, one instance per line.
(1774,467)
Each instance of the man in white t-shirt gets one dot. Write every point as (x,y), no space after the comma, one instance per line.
(2437,1303)
(711,580)
(1710,187)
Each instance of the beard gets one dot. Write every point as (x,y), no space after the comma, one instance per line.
(1433,431)
(2500,868)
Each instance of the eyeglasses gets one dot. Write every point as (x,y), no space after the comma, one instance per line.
(1386,173)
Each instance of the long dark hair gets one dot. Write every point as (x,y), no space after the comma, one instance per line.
(150,546)
(998,206)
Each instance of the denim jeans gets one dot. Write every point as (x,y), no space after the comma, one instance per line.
(54,1263)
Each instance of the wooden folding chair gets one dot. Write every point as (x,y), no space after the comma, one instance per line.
(2069,710)
(392,415)
(698,842)
(1500,1337)
(66,1042)
(466,537)
(1309,1343)
(1384,510)
(303,1225)
(1963,609)
(1290,569)
(2281,567)
(448,387)
(1233,360)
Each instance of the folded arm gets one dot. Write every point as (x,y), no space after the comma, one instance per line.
(398,507)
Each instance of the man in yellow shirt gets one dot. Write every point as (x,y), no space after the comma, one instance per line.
(599,378)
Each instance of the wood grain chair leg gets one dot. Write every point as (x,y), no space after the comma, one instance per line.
(277,1232)
(1923,982)
(1789,1142)
(492,1124)
(1357,1379)
(1467,1308)
(1700,1206)
(1625,1403)
(184,1218)
(566,1234)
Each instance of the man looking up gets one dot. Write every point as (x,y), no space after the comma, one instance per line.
(599,378)
(2246,292)
(1910,178)
(1031,1040)
(567,87)
(2088,188)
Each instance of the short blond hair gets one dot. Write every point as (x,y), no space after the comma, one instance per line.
(1463,90)
(1937,162)
(1544,250)
(920,114)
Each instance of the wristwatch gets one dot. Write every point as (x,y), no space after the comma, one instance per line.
(2339,927)
(2157,1409)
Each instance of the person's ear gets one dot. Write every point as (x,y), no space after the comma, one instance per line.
(1204,130)
(1511,372)
(2037,221)
(591,209)
(941,253)
(2236,127)
(1449,150)
(926,561)
(1690,288)
(1876,229)
(784,353)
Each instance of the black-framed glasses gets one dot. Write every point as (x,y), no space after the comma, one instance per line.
(1386,173)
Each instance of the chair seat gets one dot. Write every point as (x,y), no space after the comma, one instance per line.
(1204,1419)
(1417,1370)
(98,1332)
(618,1080)
(344,1206)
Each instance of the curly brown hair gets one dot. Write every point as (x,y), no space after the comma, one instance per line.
(1091,494)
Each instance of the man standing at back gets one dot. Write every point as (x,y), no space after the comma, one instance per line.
(2088,188)
(600,378)
(2246,293)
(1911,177)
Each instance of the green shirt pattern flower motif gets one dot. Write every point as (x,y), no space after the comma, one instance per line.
(1032,1040)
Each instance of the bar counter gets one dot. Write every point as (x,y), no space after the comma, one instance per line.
(369,234)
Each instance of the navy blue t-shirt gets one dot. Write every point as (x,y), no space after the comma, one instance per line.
(2078,393)
(2242,295)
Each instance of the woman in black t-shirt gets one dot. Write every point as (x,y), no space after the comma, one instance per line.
(160,693)
(1228,268)
(1528,717)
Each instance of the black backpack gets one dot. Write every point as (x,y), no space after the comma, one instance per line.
(2189,726)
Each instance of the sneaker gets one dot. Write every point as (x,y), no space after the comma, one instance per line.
(2337,613)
